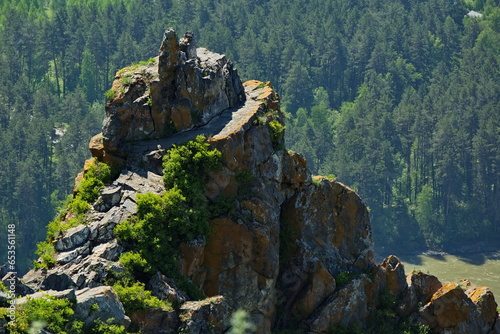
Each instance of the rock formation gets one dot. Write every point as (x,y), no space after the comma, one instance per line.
(293,250)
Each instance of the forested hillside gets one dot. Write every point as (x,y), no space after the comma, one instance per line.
(398,99)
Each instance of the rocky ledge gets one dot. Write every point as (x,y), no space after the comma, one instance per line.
(293,250)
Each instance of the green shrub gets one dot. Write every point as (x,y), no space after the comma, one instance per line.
(353,329)
(241,322)
(147,62)
(345,277)
(136,298)
(277,131)
(79,206)
(110,94)
(223,206)
(107,327)
(56,314)
(54,229)
(134,263)
(184,284)
(186,165)
(126,232)
(316,181)
(93,181)
(387,300)
(331,177)
(46,252)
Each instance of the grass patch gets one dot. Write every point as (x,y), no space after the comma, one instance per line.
(110,94)
(126,80)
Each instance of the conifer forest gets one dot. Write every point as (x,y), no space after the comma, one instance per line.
(398,99)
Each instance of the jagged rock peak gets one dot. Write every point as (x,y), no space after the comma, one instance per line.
(182,88)
(188,46)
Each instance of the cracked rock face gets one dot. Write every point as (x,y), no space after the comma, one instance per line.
(181,88)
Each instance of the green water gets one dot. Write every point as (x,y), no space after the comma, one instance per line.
(481,269)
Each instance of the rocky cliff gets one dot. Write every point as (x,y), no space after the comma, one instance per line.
(293,250)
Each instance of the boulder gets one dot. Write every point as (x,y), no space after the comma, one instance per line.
(156,321)
(164,288)
(486,306)
(11,280)
(110,196)
(110,251)
(101,303)
(448,307)
(58,281)
(453,310)
(347,307)
(319,286)
(210,315)
(330,221)
(64,294)
(424,285)
(73,238)
(395,275)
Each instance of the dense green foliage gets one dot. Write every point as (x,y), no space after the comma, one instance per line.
(57,315)
(179,215)
(94,180)
(54,314)
(398,99)
(135,297)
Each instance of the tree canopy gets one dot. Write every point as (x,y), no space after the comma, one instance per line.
(399,99)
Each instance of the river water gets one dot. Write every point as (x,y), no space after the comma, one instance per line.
(481,269)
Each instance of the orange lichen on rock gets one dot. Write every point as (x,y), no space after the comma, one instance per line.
(485,303)
(448,307)
(395,275)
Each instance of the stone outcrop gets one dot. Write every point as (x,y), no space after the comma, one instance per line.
(293,250)
(453,310)
(181,88)
(108,306)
